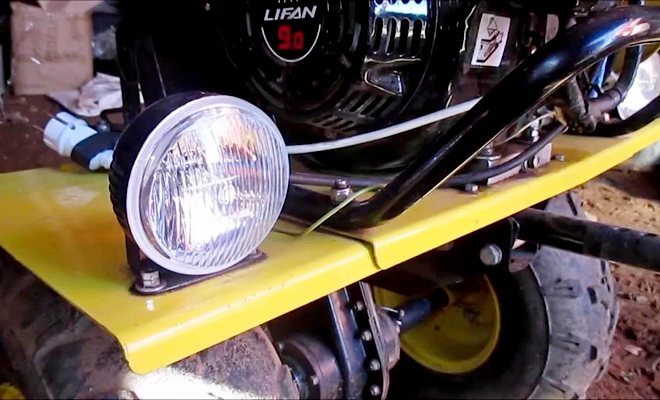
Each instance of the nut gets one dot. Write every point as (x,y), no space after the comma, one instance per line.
(534,162)
(366,336)
(491,255)
(471,188)
(374,390)
(374,365)
(340,191)
(150,278)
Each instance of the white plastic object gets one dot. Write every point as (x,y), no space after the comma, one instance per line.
(644,88)
(64,131)
(101,161)
(385,132)
(207,186)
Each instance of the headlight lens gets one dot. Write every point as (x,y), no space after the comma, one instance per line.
(207,186)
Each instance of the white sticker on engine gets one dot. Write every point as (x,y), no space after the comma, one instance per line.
(491,40)
(551,27)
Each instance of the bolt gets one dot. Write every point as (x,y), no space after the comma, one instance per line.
(534,162)
(314,379)
(359,306)
(103,126)
(366,336)
(559,157)
(150,278)
(471,188)
(374,390)
(491,255)
(534,134)
(341,183)
(374,365)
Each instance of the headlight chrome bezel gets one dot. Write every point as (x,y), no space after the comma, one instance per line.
(153,133)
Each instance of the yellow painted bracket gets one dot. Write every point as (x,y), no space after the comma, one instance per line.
(60,225)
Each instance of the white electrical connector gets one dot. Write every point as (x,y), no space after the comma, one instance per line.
(64,131)
(101,160)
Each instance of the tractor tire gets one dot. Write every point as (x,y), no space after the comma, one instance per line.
(557,323)
(57,352)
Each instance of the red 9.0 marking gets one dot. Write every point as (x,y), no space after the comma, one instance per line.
(290,40)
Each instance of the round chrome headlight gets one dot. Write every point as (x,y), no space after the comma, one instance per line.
(205,185)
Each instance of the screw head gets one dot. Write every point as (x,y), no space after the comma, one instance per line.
(374,365)
(366,336)
(374,390)
(471,188)
(491,254)
(559,157)
(315,380)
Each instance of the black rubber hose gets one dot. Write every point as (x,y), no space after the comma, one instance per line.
(637,121)
(611,98)
(456,181)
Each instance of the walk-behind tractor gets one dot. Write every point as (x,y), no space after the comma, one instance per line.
(336,199)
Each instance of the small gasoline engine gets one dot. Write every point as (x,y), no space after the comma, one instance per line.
(328,70)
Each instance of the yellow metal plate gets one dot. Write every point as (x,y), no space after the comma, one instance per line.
(10,392)
(61,226)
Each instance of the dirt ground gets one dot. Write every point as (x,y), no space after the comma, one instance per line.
(631,200)
(622,198)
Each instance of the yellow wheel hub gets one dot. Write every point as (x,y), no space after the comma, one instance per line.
(458,338)
(10,392)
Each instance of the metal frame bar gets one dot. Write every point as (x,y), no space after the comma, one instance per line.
(522,90)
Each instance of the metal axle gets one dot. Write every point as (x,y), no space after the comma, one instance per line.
(593,239)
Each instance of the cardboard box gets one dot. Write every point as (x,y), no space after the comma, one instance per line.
(51,46)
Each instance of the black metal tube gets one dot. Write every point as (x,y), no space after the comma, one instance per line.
(594,239)
(519,92)
(454,181)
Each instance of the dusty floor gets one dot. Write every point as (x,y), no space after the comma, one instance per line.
(627,199)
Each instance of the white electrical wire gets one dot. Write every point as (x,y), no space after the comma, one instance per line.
(385,132)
